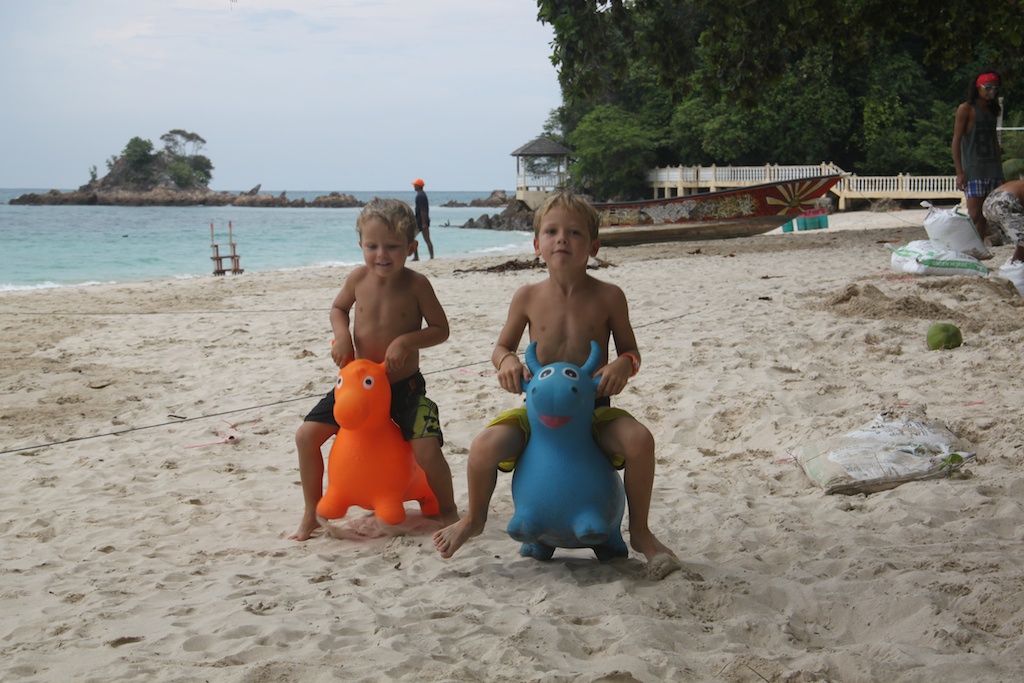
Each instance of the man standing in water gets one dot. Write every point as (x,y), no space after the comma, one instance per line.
(422,218)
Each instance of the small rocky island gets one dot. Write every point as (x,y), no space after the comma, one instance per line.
(93,195)
(177,175)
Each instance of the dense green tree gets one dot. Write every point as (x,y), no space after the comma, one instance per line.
(180,173)
(895,101)
(1013,146)
(177,142)
(615,149)
(871,86)
(185,166)
(745,44)
(138,159)
(804,117)
(178,164)
(138,153)
(202,168)
(931,154)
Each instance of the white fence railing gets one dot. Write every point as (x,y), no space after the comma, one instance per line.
(540,182)
(674,181)
(715,177)
(900,183)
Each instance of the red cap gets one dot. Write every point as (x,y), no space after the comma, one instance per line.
(418,182)
(985,79)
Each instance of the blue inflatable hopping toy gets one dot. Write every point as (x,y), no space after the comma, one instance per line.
(565,491)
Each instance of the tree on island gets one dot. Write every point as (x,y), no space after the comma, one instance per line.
(179,165)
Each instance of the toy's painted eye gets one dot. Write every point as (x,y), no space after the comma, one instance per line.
(571,373)
(341,380)
(545,373)
(368,383)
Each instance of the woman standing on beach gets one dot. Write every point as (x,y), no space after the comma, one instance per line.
(976,152)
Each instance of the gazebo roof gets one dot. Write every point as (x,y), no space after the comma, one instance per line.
(542,147)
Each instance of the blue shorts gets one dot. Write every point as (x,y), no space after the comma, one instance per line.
(414,413)
(982,186)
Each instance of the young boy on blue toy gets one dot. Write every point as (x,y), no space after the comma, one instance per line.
(564,313)
(396,315)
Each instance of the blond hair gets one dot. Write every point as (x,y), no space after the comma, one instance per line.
(393,213)
(572,203)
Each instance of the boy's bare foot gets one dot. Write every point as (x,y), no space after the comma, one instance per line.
(451,538)
(661,565)
(307,527)
(448,518)
(661,561)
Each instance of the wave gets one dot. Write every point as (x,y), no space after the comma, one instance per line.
(7,287)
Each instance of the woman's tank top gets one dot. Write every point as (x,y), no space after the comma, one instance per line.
(978,147)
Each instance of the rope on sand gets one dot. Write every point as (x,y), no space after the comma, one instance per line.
(180,420)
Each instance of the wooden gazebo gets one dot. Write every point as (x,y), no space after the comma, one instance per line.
(542,166)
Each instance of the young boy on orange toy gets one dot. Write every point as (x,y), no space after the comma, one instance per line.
(564,313)
(396,315)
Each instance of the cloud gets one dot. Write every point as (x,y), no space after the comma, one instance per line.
(344,95)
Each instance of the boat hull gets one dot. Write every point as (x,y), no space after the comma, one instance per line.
(739,212)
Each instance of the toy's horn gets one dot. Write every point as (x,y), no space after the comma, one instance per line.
(595,358)
(531,358)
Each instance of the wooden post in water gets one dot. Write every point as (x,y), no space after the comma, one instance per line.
(218,258)
(236,267)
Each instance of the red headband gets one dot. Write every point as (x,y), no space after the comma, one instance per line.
(985,79)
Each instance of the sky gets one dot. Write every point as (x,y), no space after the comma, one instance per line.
(333,95)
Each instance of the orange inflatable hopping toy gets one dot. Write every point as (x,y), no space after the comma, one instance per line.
(370,464)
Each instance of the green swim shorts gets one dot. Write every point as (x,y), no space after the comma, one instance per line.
(518,416)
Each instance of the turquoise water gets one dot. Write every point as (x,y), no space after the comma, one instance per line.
(55,246)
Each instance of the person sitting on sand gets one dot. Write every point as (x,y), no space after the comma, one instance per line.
(564,313)
(397,314)
(1004,211)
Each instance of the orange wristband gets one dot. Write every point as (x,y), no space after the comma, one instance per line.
(636,362)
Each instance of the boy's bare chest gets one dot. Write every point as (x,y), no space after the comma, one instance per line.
(566,330)
(377,309)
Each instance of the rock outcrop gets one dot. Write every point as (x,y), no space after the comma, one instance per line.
(516,216)
(496,199)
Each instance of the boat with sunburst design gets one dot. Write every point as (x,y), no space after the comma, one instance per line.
(739,212)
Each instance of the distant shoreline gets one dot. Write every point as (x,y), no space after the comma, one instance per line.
(86,196)
(167,197)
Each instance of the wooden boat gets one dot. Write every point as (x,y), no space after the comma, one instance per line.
(739,212)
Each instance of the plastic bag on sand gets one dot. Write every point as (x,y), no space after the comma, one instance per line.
(890,450)
(925,257)
(1014,272)
(955,230)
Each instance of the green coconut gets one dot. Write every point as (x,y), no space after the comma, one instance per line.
(944,336)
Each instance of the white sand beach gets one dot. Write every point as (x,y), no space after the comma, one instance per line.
(149,482)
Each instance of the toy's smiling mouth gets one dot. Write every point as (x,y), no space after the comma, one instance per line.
(554,421)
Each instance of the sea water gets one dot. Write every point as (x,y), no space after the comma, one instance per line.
(56,246)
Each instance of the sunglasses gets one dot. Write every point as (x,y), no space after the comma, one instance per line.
(990,86)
